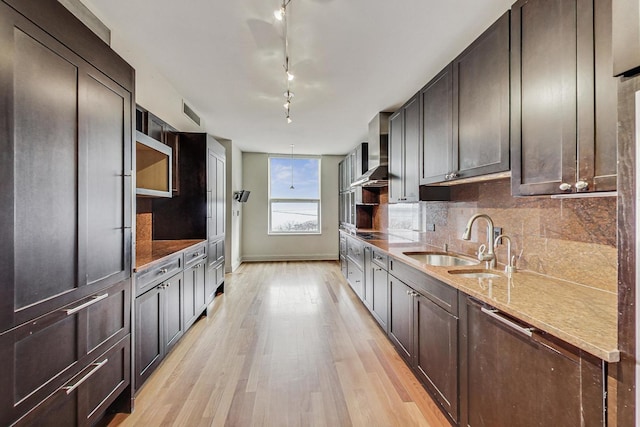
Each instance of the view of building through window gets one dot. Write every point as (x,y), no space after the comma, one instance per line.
(294,195)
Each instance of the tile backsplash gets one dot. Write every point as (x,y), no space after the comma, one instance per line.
(569,239)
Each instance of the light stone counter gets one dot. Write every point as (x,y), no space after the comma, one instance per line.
(580,315)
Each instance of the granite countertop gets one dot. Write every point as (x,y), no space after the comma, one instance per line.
(155,250)
(583,316)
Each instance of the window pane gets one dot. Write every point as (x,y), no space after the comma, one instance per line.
(305,178)
(294,217)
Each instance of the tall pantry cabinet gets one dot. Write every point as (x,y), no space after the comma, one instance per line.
(65,218)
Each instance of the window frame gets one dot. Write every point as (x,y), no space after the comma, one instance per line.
(271,200)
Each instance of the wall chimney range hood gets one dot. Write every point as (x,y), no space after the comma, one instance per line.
(377,175)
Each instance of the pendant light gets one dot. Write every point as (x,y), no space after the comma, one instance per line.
(292,187)
(281,15)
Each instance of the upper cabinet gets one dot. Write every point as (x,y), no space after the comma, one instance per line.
(465,111)
(404,141)
(563,103)
(626,37)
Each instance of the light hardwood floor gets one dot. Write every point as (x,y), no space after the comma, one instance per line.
(288,344)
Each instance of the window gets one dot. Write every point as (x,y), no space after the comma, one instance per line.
(294,195)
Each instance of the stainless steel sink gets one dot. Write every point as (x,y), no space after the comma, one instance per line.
(439,259)
(476,274)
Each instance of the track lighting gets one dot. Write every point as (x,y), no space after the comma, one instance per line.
(281,15)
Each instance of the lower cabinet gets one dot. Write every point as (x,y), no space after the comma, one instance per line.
(424,328)
(195,292)
(159,325)
(380,291)
(513,376)
(355,277)
(83,400)
(42,361)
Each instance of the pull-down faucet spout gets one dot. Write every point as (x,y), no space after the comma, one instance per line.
(489,257)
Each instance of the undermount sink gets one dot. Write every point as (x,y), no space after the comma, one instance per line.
(440,259)
(476,274)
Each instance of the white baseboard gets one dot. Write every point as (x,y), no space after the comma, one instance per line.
(296,257)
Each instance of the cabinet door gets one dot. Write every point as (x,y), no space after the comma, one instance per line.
(189,302)
(355,278)
(200,288)
(401,317)
(481,104)
(215,194)
(436,348)
(601,160)
(149,333)
(50,141)
(396,152)
(551,92)
(368,279)
(436,100)
(380,302)
(511,379)
(173,292)
(411,154)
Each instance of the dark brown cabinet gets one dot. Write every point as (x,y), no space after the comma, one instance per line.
(512,376)
(159,324)
(404,142)
(626,37)
(423,325)
(195,295)
(437,128)
(65,213)
(379,288)
(563,121)
(465,112)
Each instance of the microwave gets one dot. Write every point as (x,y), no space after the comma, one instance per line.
(153,167)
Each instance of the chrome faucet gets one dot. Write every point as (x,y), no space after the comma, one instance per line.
(510,266)
(485,252)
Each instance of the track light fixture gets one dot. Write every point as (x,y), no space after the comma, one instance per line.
(281,15)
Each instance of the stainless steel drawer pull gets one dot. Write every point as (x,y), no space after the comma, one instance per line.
(163,270)
(196,254)
(96,366)
(494,314)
(94,299)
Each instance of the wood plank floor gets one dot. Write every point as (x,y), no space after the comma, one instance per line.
(288,344)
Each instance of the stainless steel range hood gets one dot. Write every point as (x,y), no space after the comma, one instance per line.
(377,175)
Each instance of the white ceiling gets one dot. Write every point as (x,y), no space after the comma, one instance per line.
(351,59)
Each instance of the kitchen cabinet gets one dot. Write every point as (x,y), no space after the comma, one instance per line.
(349,169)
(513,376)
(379,287)
(355,265)
(199,211)
(195,295)
(343,254)
(465,112)
(153,167)
(367,294)
(65,206)
(626,37)
(83,400)
(404,141)
(159,324)
(73,336)
(563,103)
(423,325)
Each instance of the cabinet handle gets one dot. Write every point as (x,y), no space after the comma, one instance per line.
(196,254)
(94,299)
(409,293)
(69,389)
(377,269)
(452,175)
(163,270)
(565,187)
(494,314)
(582,186)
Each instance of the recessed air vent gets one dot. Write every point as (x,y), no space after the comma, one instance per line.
(188,111)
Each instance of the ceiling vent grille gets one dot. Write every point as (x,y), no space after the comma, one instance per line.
(188,111)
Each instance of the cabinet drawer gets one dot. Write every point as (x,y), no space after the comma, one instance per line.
(194,255)
(440,293)
(380,258)
(38,357)
(156,273)
(355,251)
(216,252)
(84,398)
